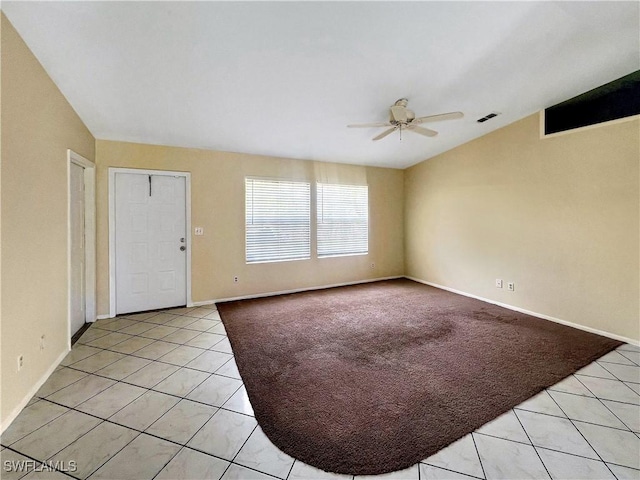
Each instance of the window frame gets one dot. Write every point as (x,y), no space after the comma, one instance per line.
(320,211)
(308,225)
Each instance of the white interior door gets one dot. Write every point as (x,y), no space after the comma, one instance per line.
(78,271)
(150,241)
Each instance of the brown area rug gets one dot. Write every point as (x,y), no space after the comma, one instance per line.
(373,378)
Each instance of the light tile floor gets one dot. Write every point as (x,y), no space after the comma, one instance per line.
(158,395)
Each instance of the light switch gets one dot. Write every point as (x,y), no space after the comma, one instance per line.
(199,230)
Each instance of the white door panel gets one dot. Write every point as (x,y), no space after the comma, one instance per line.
(78,297)
(150,228)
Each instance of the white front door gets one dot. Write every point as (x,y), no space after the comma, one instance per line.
(77,208)
(150,241)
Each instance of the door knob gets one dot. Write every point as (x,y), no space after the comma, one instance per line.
(182,248)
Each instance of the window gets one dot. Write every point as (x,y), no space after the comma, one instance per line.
(278,220)
(343,219)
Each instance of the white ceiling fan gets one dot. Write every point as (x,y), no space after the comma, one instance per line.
(401,118)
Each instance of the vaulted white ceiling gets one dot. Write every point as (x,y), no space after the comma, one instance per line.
(285,78)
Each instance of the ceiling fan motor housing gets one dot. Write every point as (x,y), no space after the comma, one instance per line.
(400,117)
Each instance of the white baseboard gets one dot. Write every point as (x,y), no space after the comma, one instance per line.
(201,304)
(103,317)
(533,314)
(16,411)
(296,290)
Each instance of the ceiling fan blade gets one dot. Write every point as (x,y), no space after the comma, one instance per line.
(369,125)
(422,131)
(399,113)
(384,134)
(439,117)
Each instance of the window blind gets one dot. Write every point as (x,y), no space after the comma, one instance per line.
(278,220)
(343,219)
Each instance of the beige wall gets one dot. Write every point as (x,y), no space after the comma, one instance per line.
(217,204)
(38,126)
(557,216)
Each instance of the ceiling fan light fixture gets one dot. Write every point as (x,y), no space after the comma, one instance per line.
(400,117)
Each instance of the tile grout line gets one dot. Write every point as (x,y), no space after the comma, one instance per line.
(596,376)
(535,446)
(251,468)
(586,458)
(167,312)
(244,443)
(424,462)
(108,349)
(8,447)
(585,438)
(593,395)
(37,461)
(118,451)
(191,437)
(484,474)
(582,421)
(172,374)
(102,326)
(168,461)
(158,311)
(108,419)
(616,376)
(155,339)
(74,408)
(112,422)
(294,462)
(72,442)
(71,366)
(150,360)
(612,412)
(42,425)
(609,380)
(157,391)
(633,362)
(532,445)
(475,432)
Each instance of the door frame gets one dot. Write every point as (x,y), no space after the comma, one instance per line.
(89,237)
(112,227)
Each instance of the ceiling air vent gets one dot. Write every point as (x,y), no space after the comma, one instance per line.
(487,117)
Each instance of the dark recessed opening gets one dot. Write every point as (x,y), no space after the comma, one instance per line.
(612,101)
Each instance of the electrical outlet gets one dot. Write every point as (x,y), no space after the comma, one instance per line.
(511,286)
(235,279)
(199,230)
(20,362)
(42,342)
(498,283)
(372,266)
